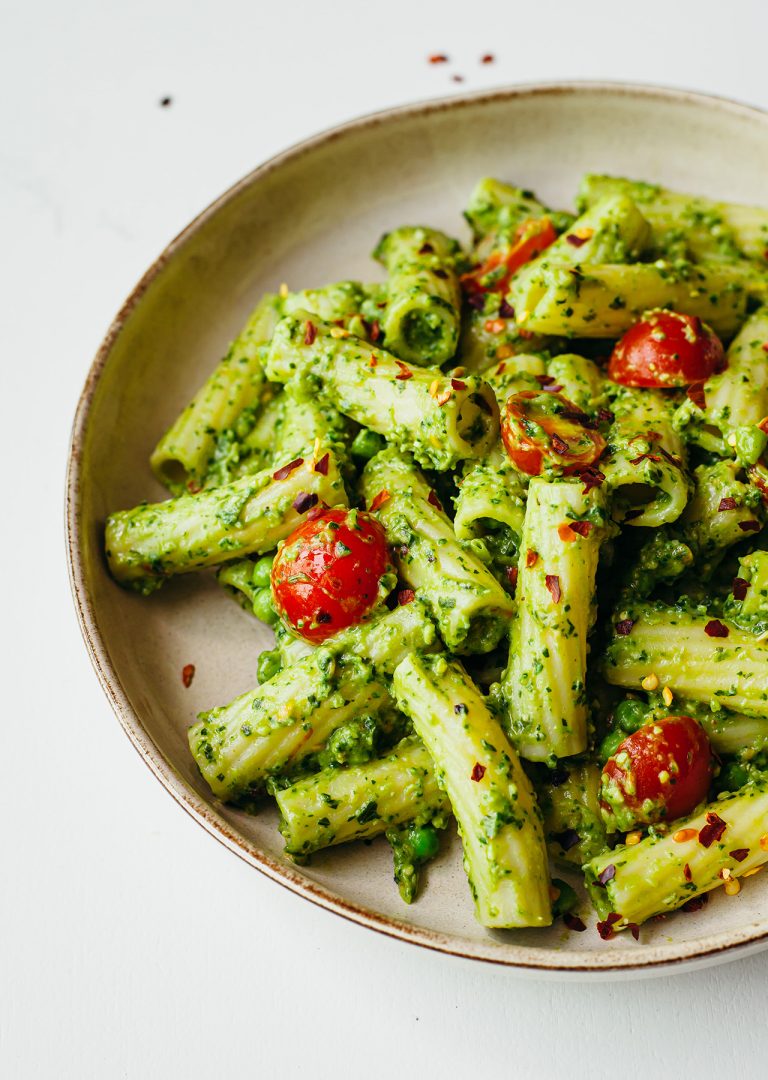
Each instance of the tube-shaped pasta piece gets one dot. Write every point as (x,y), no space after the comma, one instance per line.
(154,541)
(722,510)
(505,855)
(337,805)
(543,686)
(725,841)
(697,657)
(611,231)
(423,312)
(268,731)
(182,456)
(709,228)
(747,605)
(466,601)
(603,301)
(573,823)
(491,494)
(440,419)
(719,414)
(494,205)
(644,465)
(578,379)
(526,371)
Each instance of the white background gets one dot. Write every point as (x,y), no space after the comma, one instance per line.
(132,944)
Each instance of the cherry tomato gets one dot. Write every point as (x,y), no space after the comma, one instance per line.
(546,429)
(495,274)
(327,574)
(660,772)
(666,348)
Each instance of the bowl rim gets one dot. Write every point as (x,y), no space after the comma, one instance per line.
(658,959)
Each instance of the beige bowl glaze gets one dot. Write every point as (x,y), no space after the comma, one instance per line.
(309,216)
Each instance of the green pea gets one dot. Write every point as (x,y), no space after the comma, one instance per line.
(367,443)
(630,715)
(610,745)
(268,665)
(424,841)
(263,608)
(261,571)
(566,900)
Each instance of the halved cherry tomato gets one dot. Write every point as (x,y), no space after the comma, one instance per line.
(495,274)
(666,348)
(660,772)
(546,429)
(327,574)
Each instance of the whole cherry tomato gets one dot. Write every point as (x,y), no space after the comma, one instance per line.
(660,772)
(545,430)
(664,349)
(328,574)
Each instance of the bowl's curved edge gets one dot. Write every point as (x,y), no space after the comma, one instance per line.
(728,945)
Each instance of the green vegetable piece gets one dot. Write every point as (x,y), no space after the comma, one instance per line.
(268,665)
(566,900)
(263,608)
(412,846)
(366,444)
(609,745)
(629,715)
(262,568)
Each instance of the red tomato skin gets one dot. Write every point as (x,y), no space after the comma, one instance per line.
(318,587)
(659,773)
(532,237)
(666,349)
(528,453)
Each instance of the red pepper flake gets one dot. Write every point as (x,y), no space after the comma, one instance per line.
(624,627)
(379,500)
(494,326)
(375,332)
(544,380)
(457,78)
(405,372)
(317,511)
(739,854)
(304,501)
(605,416)
(728,503)
(607,875)
(321,466)
(193,487)
(531,558)
(765,346)
(644,457)
(506,310)
(590,478)
(715,628)
(426,249)
(476,301)
(696,903)
(581,528)
(310,332)
(433,500)
(560,446)
(187,675)
(739,588)
(478,772)
(695,393)
(438,58)
(634,930)
(457,384)
(573,922)
(512,573)
(405,596)
(576,241)
(749,526)
(373,361)
(489,58)
(286,470)
(606,929)
(552,388)
(552,581)
(670,458)
(712,831)
(687,872)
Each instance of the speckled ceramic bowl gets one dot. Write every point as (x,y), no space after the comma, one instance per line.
(309,216)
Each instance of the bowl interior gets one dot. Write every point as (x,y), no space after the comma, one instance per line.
(311,216)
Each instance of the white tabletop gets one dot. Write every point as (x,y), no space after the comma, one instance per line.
(131,943)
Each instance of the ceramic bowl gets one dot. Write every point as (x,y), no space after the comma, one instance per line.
(308,216)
